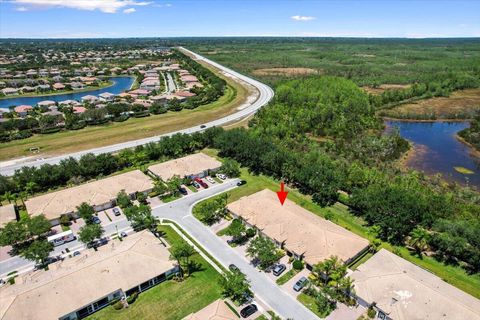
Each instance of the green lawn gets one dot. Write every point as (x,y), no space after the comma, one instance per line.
(309,302)
(170,198)
(340,214)
(171,300)
(286,277)
(364,258)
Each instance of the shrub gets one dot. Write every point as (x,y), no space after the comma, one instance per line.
(297,265)
(64,220)
(118,305)
(371,313)
(114,301)
(250,232)
(11,280)
(132,298)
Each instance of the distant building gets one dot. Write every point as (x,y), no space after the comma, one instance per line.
(22,110)
(58,86)
(194,165)
(107,96)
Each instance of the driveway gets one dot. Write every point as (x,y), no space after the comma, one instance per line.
(265,289)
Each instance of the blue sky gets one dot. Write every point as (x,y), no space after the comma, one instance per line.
(151,18)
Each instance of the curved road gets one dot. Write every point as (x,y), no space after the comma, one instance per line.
(265,95)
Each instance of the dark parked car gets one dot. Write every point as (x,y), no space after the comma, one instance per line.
(233,267)
(300,284)
(278,269)
(248,310)
(116,211)
(183,191)
(241,183)
(96,220)
(203,126)
(76,253)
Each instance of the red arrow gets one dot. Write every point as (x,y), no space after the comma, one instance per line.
(282,194)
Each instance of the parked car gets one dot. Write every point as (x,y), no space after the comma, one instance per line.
(183,191)
(210,179)
(201,182)
(241,183)
(123,234)
(221,176)
(233,267)
(203,126)
(76,253)
(278,269)
(96,220)
(116,211)
(300,284)
(248,310)
(196,184)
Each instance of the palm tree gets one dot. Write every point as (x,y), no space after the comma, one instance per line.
(8,196)
(176,254)
(418,239)
(30,187)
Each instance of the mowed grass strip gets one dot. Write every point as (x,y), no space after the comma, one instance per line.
(171,300)
(341,215)
(132,129)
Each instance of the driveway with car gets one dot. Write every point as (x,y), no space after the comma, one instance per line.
(267,290)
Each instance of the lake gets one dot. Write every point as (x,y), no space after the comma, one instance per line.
(438,151)
(120,84)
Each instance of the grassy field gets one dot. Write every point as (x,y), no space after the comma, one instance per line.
(171,300)
(365,61)
(135,128)
(459,105)
(341,215)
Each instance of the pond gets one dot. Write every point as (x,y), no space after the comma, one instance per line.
(120,84)
(437,150)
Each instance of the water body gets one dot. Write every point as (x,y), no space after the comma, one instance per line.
(438,150)
(120,84)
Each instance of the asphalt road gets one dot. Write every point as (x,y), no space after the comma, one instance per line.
(265,95)
(264,288)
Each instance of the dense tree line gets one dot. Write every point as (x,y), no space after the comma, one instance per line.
(72,171)
(439,86)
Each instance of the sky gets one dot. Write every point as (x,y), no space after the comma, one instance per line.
(183,18)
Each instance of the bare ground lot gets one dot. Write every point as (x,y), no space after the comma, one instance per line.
(284,72)
(460,104)
(383,87)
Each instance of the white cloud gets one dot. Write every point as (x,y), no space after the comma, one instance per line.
(21,9)
(107,6)
(129,10)
(302,18)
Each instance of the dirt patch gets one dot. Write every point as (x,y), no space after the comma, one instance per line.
(364,55)
(460,105)
(383,87)
(285,71)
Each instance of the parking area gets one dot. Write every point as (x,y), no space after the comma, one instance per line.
(108,216)
(288,286)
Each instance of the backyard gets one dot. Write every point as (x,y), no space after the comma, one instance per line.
(171,299)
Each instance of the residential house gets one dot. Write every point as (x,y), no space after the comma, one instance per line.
(22,110)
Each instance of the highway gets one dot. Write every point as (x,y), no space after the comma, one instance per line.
(266,93)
